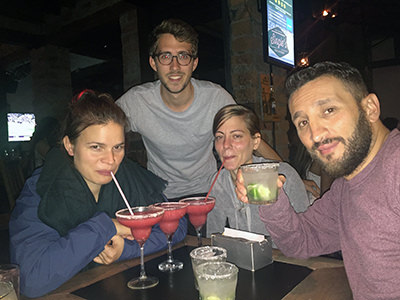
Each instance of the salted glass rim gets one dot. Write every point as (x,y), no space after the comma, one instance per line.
(195,255)
(173,205)
(232,268)
(158,212)
(190,199)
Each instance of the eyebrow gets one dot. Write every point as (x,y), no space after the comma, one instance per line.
(103,144)
(232,131)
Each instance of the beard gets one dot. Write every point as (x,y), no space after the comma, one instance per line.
(356,150)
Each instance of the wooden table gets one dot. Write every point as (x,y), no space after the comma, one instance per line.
(326,281)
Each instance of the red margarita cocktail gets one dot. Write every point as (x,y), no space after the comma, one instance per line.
(173,212)
(140,223)
(197,210)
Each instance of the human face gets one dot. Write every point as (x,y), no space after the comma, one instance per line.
(234,143)
(174,77)
(98,150)
(331,125)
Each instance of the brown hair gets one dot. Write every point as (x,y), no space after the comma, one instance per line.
(235,110)
(181,30)
(91,108)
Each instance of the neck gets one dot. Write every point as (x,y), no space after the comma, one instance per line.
(379,136)
(95,189)
(178,102)
(233,175)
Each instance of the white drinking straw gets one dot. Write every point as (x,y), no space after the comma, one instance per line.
(121,192)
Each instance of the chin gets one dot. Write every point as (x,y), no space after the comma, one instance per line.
(231,166)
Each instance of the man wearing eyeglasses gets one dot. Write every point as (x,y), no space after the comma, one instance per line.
(174,114)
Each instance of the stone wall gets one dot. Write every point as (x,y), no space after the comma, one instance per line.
(247,68)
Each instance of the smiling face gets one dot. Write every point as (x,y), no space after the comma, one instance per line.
(174,77)
(98,150)
(234,143)
(331,125)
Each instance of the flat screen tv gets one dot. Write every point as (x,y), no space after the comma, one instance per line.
(20,126)
(278,32)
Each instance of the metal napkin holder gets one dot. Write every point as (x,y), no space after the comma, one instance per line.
(244,253)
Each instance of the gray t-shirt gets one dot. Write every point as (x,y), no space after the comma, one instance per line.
(246,216)
(178,144)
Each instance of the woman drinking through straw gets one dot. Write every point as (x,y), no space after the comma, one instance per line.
(64,219)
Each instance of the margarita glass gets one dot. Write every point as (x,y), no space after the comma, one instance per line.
(140,223)
(197,210)
(173,212)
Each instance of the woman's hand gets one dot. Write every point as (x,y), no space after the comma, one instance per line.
(123,231)
(312,187)
(241,191)
(112,251)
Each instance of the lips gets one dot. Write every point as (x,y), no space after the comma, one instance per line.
(227,158)
(326,149)
(175,77)
(104,172)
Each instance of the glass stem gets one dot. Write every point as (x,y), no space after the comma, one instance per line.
(199,243)
(142,271)
(169,240)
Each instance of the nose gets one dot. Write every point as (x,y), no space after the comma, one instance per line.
(108,157)
(318,131)
(227,142)
(174,63)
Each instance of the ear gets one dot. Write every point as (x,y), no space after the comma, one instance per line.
(68,146)
(152,63)
(371,106)
(195,63)
(257,141)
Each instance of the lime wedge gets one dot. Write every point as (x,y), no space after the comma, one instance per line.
(264,193)
(252,191)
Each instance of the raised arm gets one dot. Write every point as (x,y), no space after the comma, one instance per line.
(267,151)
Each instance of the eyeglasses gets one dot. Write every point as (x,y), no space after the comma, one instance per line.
(166,58)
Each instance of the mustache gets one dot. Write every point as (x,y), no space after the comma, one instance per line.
(327,141)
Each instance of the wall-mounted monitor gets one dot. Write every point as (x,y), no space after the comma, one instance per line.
(21,126)
(278,32)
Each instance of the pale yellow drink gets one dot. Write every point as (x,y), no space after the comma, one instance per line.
(205,254)
(7,291)
(217,281)
(260,180)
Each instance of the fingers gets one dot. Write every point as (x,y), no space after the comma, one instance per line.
(112,251)
(312,187)
(240,189)
(281,181)
(122,230)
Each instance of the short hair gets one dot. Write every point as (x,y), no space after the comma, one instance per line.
(236,110)
(348,75)
(91,108)
(181,30)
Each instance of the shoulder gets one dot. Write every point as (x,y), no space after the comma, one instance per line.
(389,154)
(211,90)
(139,91)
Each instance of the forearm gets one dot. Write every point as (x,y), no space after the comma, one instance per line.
(267,151)
(47,260)
(300,235)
